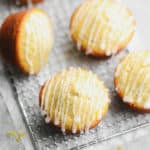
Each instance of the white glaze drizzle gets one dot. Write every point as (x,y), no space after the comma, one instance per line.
(43,95)
(74,129)
(142,88)
(60,102)
(85,113)
(65,93)
(91,36)
(105,42)
(65,109)
(79,15)
(130,78)
(53,97)
(61,110)
(88,117)
(86,22)
(46,99)
(133,86)
(112,50)
(136,87)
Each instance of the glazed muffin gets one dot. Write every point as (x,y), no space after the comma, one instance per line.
(26,40)
(102,27)
(27,2)
(132,80)
(74,100)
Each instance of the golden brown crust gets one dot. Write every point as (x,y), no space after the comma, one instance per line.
(96,52)
(93,125)
(121,95)
(10,38)
(69,131)
(102,54)
(25,2)
(131,105)
(78,131)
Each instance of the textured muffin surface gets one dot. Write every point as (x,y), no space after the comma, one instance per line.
(101,27)
(132,80)
(26,40)
(74,100)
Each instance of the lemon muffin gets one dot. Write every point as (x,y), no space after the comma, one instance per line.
(74,100)
(26,40)
(102,27)
(132,80)
(25,2)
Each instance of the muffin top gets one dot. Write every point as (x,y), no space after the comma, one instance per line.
(132,78)
(102,27)
(74,100)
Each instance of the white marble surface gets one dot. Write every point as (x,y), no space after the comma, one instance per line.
(141,41)
(141,11)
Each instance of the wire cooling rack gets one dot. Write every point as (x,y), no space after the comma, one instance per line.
(119,119)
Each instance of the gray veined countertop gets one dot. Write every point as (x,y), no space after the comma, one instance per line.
(11,116)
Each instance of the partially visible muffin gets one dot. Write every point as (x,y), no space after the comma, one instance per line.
(27,2)
(26,39)
(102,27)
(74,100)
(132,80)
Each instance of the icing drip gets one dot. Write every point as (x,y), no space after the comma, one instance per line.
(63,98)
(86,22)
(45,90)
(102,25)
(130,78)
(142,88)
(91,36)
(88,118)
(60,103)
(81,105)
(53,98)
(79,15)
(46,98)
(131,88)
(133,76)
(74,129)
(65,109)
